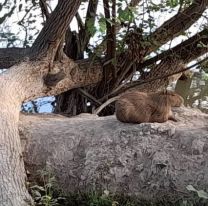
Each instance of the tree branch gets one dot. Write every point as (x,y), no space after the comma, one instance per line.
(134,3)
(80,74)
(44,8)
(91,15)
(79,21)
(50,36)
(187,51)
(108,29)
(177,24)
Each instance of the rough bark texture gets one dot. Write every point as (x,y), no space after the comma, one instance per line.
(94,158)
(18,84)
(180,22)
(13,191)
(150,160)
(50,36)
(26,81)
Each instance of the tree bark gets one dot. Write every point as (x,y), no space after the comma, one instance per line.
(23,82)
(150,160)
(20,83)
(13,191)
(52,33)
(177,24)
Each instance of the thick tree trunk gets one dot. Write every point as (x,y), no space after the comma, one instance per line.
(150,160)
(28,80)
(18,84)
(13,190)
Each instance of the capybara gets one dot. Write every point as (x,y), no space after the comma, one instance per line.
(138,107)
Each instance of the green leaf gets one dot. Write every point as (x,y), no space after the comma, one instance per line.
(102,25)
(37,187)
(125,15)
(191,188)
(202,194)
(90,26)
(172,3)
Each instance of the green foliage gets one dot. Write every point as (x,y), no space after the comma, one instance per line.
(90,26)
(172,3)
(102,24)
(200,193)
(45,195)
(205,76)
(48,195)
(19,18)
(126,15)
(204,67)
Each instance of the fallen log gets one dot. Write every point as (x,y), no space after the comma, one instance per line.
(149,160)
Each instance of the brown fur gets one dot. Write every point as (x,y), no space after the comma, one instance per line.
(138,107)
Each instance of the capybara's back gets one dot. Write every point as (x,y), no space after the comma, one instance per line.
(133,107)
(138,107)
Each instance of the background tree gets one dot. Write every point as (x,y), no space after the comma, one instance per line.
(124,39)
(129,55)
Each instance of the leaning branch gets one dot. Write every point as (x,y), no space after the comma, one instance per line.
(50,36)
(187,51)
(44,8)
(75,76)
(90,16)
(177,24)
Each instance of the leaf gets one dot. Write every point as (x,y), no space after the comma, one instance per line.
(90,26)
(36,187)
(191,188)
(106,192)
(115,203)
(47,197)
(172,3)
(125,15)
(202,194)
(102,25)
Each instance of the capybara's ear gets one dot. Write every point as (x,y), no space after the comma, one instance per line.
(164,91)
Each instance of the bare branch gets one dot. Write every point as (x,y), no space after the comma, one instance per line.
(79,21)
(134,3)
(186,51)
(89,96)
(50,36)
(108,27)
(91,15)
(44,8)
(178,23)
(109,101)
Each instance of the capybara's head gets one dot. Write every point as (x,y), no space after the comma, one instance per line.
(175,99)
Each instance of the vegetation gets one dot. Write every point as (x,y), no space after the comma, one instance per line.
(48,195)
(118,45)
(126,43)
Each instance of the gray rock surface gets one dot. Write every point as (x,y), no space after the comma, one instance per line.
(150,160)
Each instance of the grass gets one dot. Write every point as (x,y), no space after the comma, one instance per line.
(46,194)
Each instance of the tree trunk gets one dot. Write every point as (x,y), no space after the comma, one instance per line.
(21,83)
(150,160)
(13,190)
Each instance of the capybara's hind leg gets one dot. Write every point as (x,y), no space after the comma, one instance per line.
(172,118)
